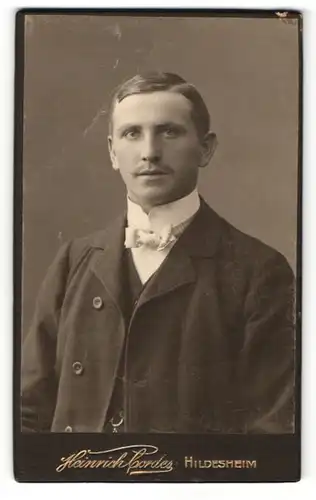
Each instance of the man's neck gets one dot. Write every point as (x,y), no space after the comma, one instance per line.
(173,213)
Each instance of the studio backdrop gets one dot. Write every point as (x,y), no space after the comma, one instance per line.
(246,70)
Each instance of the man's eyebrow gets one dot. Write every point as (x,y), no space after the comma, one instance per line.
(171,125)
(159,126)
(128,125)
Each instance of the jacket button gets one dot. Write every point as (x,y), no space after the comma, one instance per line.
(77,368)
(68,428)
(97,302)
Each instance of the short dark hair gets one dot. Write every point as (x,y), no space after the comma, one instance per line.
(155,81)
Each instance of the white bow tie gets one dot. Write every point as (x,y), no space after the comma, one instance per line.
(156,241)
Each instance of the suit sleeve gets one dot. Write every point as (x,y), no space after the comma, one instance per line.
(267,358)
(38,381)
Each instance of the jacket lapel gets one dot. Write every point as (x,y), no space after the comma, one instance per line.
(175,271)
(199,240)
(108,264)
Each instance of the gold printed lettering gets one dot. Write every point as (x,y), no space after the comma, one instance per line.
(136,459)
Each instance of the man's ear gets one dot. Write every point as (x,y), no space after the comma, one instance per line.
(112,153)
(209,144)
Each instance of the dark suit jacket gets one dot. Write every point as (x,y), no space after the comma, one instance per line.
(209,348)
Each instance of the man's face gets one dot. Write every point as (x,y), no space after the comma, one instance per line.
(156,148)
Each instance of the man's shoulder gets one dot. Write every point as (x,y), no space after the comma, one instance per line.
(240,247)
(96,240)
(248,244)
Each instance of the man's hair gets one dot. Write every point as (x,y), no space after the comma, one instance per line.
(156,81)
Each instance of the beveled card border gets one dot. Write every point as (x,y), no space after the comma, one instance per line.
(54,457)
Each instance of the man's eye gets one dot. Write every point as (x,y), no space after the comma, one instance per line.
(171,132)
(131,134)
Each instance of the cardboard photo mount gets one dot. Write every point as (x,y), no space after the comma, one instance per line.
(247,65)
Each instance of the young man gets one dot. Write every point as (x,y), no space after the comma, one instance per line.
(171,320)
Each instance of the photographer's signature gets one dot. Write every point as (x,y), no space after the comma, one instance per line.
(135,459)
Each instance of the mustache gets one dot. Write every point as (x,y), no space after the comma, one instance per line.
(151,168)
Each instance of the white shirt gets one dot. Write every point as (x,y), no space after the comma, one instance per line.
(146,259)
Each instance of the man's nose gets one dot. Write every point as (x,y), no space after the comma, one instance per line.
(150,150)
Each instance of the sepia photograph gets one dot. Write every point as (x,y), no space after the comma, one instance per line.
(159,177)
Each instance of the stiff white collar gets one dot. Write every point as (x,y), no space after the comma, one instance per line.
(173,213)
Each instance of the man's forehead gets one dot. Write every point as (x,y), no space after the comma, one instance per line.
(159,105)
